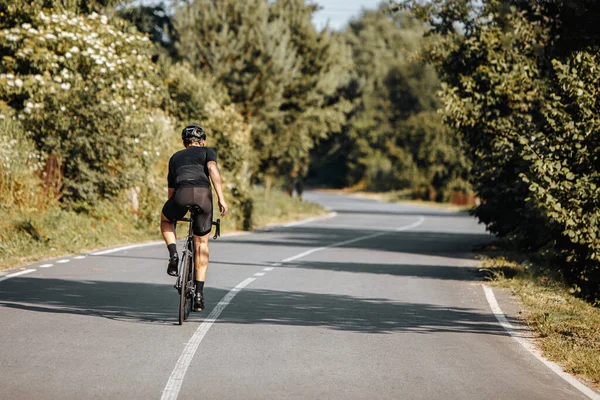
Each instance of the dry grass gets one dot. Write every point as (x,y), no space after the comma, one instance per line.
(568,328)
(31,236)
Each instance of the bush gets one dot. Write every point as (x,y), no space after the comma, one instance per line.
(77,84)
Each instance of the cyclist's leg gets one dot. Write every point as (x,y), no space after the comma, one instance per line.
(202,226)
(201,256)
(167,228)
(173,210)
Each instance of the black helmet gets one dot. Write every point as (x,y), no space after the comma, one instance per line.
(193,131)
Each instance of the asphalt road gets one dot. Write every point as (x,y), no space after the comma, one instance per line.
(381,301)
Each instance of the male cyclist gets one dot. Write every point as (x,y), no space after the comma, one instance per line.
(189,184)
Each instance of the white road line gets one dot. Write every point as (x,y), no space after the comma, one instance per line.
(489,295)
(276,264)
(268,269)
(78,257)
(259,274)
(27,271)
(132,246)
(373,235)
(45,265)
(176,379)
(63,261)
(308,221)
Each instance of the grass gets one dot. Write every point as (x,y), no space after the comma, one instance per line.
(28,236)
(278,207)
(567,328)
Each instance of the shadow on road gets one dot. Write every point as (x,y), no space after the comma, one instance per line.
(401,213)
(443,272)
(414,242)
(157,304)
(347,313)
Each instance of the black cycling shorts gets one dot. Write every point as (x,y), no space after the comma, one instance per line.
(176,207)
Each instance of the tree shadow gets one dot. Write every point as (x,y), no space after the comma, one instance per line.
(120,301)
(442,272)
(354,314)
(420,242)
(409,213)
(157,304)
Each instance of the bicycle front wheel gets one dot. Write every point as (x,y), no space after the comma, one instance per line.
(183,297)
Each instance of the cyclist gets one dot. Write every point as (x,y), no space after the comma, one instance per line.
(189,184)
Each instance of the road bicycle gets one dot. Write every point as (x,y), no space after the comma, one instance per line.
(186,276)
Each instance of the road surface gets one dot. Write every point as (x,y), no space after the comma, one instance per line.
(380,301)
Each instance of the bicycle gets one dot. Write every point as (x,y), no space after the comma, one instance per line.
(186,277)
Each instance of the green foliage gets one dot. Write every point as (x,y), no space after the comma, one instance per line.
(81,86)
(20,166)
(529,124)
(281,74)
(203,101)
(565,158)
(394,139)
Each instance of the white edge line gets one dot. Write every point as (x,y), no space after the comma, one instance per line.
(132,246)
(489,295)
(63,261)
(259,274)
(45,265)
(27,271)
(176,379)
(268,269)
(309,220)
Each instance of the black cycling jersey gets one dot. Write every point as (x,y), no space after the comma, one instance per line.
(189,167)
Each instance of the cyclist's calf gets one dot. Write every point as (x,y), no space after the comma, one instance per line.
(201,256)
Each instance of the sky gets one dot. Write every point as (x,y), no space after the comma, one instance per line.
(334,13)
(339,12)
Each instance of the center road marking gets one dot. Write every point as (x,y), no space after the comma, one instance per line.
(171,390)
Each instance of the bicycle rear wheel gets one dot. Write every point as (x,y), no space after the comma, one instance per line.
(183,294)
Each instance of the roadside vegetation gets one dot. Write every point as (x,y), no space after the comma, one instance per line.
(567,328)
(93,95)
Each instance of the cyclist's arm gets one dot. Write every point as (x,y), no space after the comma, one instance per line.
(215,177)
(171,191)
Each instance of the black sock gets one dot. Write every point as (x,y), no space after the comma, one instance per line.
(200,287)
(172,249)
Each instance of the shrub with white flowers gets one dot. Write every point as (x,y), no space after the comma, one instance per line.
(83,89)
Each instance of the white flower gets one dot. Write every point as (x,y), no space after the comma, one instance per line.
(57,79)
(33,31)
(63,108)
(136,140)
(145,153)
(29,104)
(19,83)
(65,86)
(50,36)
(10,76)
(2,116)
(99,61)
(68,55)
(26,26)
(158,153)
(74,49)
(102,70)
(10,83)
(12,38)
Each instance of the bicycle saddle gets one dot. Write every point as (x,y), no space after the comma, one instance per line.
(194,209)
